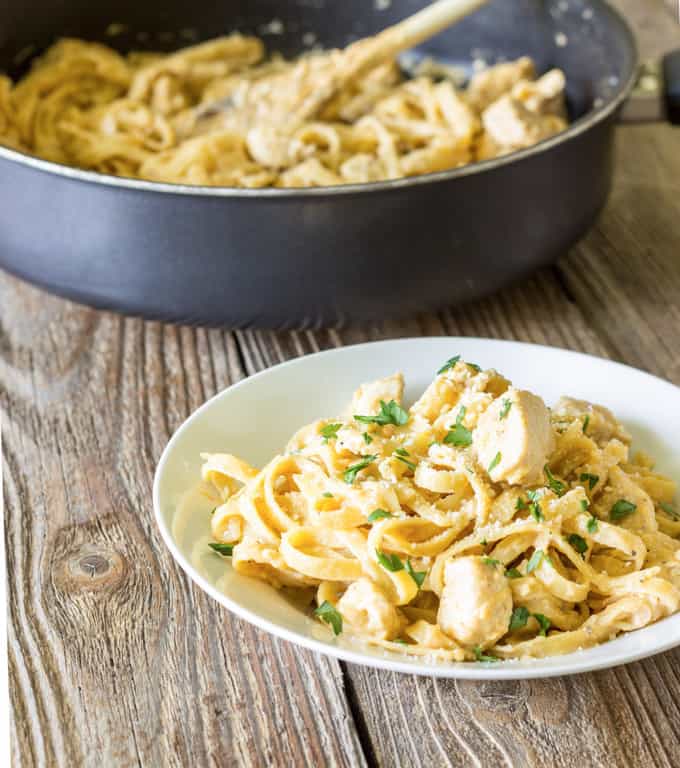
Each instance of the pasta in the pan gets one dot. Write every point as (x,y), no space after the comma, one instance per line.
(476,525)
(200,116)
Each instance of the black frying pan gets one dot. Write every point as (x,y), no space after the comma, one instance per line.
(306,257)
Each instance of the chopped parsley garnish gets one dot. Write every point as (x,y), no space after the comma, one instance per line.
(367,438)
(584,504)
(327,495)
(400,641)
(586,477)
(327,612)
(586,421)
(621,509)
(222,549)
(520,504)
(390,413)
(480,656)
(401,452)
(474,367)
(404,460)
(491,561)
(378,514)
(535,506)
(543,622)
(519,618)
(389,562)
(668,509)
(507,405)
(458,434)
(329,431)
(350,474)
(494,462)
(513,573)
(535,560)
(592,525)
(555,485)
(417,576)
(450,363)
(213,510)
(578,543)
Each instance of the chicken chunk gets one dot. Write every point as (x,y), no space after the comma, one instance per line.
(490,84)
(544,96)
(476,604)
(509,124)
(601,424)
(514,438)
(366,400)
(366,608)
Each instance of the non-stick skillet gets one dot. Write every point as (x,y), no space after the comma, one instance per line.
(305,257)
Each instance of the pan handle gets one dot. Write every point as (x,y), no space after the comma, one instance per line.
(656,94)
(670,71)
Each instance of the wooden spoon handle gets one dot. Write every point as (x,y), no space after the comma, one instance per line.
(410,32)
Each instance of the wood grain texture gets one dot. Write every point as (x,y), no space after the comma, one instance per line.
(114,656)
(117,660)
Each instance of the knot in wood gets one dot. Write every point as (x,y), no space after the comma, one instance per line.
(91,567)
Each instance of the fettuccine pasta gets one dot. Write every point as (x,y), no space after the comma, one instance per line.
(201,116)
(476,525)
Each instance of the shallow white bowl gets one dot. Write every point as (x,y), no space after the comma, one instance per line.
(255,418)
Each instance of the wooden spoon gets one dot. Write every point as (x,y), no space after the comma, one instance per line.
(300,93)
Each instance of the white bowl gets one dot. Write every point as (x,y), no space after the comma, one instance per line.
(254,419)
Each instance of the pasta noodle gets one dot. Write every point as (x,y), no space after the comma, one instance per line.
(476,525)
(203,116)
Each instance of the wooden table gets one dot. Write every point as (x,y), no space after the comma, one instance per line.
(116,659)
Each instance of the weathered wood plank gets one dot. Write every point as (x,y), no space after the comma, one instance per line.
(115,657)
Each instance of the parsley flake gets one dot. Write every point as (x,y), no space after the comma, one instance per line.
(350,474)
(668,509)
(378,514)
(507,405)
(535,560)
(495,462)
(450,363)
(586,421)
(476,368)
(329,431)
(520,504)
(367,438)
(389,561)
(401,452)
(327,495)
(519,618)
(621,509)
(491,561)
(327,612)
(513,573)
(417,576)
(480,656)
(555,485)
(459,436)
(578,543)
(535,506)
(543,622)
(222,549)
(404,460)
(584,504)
(390,413)
(592,525)
(586,477)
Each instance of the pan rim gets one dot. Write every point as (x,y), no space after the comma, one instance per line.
(593,117)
